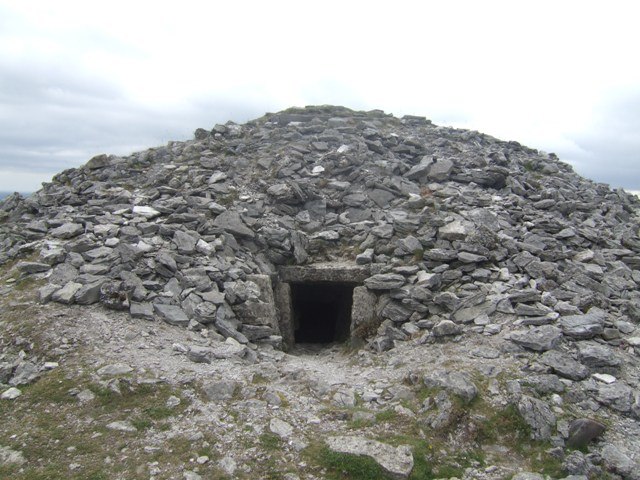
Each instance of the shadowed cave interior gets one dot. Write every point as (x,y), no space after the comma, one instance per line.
(321,312)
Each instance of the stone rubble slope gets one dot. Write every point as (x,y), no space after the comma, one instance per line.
(461,234)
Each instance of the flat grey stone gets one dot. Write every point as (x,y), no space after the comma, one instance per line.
(619,462)
(67,293)
(280,428)
(458,383)
(171,314)
(33,267)
(595,355)
(90,293)
(538,416)
(564,365)
(384,281)
(200,354)
(115,369)
(446,328)
(539,339)
(67,231)
(617,396)
(455,230)
(365,257)
(585,326)
(25,373)
(220,391)
(141,310)
(185,243)
(395,461)
(233,223)
(145,211)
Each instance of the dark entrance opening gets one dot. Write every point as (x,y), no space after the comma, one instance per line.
(321,311)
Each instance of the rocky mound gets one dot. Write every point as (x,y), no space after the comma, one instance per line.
(324,224)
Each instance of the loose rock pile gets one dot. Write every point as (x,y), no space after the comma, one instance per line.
(461,234)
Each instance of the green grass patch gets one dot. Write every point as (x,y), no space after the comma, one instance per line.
(387,415)
(341,466)
(53,430)
(270,441)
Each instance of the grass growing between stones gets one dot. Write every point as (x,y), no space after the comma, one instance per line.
(62,438)
(339,466)
(474,434)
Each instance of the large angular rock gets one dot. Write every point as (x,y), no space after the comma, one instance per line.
(619,462)
(171,314)
(395,312)
(595,355)
(142,310)
(585,326)
(232,223)
(33,267)
(445,328)
(281,428)
(166,264)
(184,242)
(539,339)
(564,365)
(220,390)
(440,169)
(538,416)
(455,230)
(397,462)
(24,374)
(200,354)
(458,383)
(90,293)
(617,396)
(67,231)
(67,293)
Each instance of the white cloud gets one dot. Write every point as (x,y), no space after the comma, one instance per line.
(80,76)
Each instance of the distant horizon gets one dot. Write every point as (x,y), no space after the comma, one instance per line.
(4,194)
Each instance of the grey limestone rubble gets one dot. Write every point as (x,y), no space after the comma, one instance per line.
(418,232)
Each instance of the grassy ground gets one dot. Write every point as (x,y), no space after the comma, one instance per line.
(62,437)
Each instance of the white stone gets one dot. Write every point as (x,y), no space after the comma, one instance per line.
(115,369)
(144,247)
(11,394)
(85,396)
(9,456)
(280,428)
(145,211)
(122,426)
(634,341)
(228,465)
(397,461)
(604,378)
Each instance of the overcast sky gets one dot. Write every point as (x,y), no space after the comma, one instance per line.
(79,78)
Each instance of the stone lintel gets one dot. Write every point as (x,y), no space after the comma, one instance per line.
(325,272)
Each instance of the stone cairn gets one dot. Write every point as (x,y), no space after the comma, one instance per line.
(453,232)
